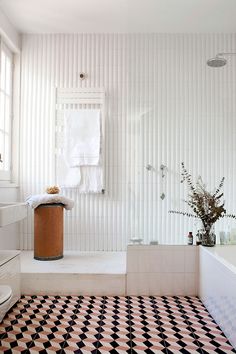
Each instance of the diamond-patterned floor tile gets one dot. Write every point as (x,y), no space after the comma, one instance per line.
(16,345)
(207,332)
(94,325)
(86,325)
(146,332)
(176,331)
(115,331)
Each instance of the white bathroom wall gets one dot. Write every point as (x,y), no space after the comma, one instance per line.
(9,33)
(10,234)
(163,106)
(9,192)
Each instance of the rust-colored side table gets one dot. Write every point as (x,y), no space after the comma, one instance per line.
(48,232)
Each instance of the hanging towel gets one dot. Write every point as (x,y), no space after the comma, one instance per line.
(67,176)
(82,137)
(86,179)
(91,179)
(35,200)
(72,177)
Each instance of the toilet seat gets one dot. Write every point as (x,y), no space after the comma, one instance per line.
(5,293)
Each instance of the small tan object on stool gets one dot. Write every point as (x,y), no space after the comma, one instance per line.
(53,190)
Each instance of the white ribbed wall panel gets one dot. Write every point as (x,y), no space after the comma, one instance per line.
(163,106)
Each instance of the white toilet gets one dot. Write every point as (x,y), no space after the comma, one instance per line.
(9,280)
(5,299)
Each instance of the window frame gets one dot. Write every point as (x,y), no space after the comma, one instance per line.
(6,173)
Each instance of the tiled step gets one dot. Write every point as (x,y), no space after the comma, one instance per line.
(83,273)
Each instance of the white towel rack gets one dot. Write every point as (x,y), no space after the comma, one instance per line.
(80,96)
(73,99)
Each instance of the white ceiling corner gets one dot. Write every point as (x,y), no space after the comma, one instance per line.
(125,16)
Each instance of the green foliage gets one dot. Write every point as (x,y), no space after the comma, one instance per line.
(206,206)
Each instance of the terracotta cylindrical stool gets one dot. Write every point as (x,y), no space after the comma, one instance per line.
(48,232)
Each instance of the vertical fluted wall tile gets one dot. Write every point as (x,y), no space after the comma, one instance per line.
(164,105)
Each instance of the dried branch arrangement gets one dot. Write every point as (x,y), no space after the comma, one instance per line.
(206,206)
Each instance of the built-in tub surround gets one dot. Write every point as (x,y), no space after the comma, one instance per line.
(217,286)
(143,270)
(162,270)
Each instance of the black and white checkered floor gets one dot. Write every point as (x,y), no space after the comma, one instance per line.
(77,324)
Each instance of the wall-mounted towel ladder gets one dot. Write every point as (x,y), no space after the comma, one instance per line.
(75,99)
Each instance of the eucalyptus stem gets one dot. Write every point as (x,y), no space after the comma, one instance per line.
(206,206)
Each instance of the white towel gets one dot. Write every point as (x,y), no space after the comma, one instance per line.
(72,178)
(35,200)
(82,137)
(91,179)
(86,179)
(67,176)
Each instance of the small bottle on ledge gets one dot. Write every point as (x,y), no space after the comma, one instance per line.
(198,238)
(190,238)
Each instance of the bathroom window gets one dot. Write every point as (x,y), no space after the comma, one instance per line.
(6,83)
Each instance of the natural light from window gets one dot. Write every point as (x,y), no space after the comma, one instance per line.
(6,73)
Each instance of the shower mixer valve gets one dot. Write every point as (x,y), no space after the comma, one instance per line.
(163,168)
(149,167)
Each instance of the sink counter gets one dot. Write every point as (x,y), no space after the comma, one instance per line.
(12,212)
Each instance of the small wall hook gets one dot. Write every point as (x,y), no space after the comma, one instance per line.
(83,76)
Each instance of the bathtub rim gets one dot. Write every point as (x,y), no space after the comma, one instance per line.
(213,252)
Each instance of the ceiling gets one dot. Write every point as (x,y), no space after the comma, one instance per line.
(105,16)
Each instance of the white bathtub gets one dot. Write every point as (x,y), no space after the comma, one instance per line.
(217,286)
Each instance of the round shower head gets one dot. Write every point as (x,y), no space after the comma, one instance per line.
(216,62)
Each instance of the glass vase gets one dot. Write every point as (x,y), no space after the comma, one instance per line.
(208,238)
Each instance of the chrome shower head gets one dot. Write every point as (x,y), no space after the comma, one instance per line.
(216,62)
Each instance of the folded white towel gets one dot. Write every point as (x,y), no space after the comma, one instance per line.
(82,137)
(35,200)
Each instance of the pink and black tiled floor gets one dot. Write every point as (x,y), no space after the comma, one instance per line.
(93,325)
